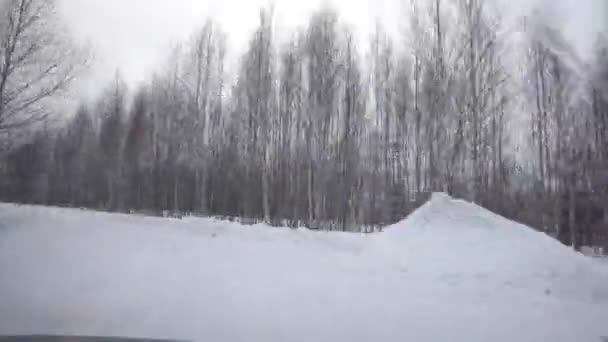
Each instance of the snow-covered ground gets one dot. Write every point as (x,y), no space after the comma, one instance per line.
(450,272)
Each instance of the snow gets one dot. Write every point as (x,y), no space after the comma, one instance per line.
(450,272)
(477,243)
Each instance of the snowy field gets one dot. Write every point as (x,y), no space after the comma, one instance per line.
(450,272)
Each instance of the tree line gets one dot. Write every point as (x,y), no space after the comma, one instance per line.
(314,132)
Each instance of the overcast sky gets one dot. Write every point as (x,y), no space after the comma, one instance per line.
(133,35)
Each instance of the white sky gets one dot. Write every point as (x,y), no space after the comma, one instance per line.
(133,35)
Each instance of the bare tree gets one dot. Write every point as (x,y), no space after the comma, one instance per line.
(112,108)
(37,61)
(418,45)
(353,109)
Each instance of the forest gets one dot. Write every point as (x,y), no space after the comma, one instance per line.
(317,130)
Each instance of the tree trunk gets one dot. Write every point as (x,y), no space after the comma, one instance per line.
(572,214)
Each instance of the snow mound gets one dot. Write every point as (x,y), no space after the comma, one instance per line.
(457,239)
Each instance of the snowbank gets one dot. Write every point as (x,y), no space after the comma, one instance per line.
(441,275)
(458,239)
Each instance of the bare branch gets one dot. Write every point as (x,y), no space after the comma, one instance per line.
(37,61)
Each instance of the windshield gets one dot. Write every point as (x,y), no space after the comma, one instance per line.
(336,170)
